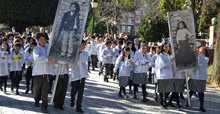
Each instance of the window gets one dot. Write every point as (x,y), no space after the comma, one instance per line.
(136,28)
(129,29)
(138,12)
(130,14)
(123,29)
(129,21)
(137,21)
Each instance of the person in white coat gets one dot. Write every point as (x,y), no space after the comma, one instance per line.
(164,72)
(197,81)
(78,76)
(152,64)
(107,55)
(141,61)
(15,67)
(130,83)
(123,63)
(4,74)
(62,84)
(43,69)
(28,58)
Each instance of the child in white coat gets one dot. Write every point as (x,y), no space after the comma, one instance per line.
(4,74)
(79,74)
(123,63)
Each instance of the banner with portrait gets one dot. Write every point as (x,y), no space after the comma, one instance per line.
(183,39)
(68,29)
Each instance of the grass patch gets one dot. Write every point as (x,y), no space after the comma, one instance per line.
(209,70)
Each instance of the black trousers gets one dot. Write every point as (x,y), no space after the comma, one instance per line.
(175,96)
(107,69)
(16,77)
(28,78)
(143,90)
(201,98)
(41,87)
(3,79)
(94,61)
(61,90)
(77,87)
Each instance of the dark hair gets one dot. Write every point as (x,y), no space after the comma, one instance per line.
(32,43)
(120,41)
(206,53)
(77,7)
(163,51)
(128,43)
(114,42)
(83,42)
(40,35)
(4,39)
(29,39)
(93,37)
(184,25)
(108,42)
(127,49)
(8,50)
(17,44)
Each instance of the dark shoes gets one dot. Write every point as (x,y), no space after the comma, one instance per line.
(60,107)
(134,97)
(145,100)
(106,80)
(80,110)
(72,104)
(17,93)
(202,109)
(44,110)
(37,104)
(119,95)
(171,104)
(26,92)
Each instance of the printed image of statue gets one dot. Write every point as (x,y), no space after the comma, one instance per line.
(68,30)
(183,38)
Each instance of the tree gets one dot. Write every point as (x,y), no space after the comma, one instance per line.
(111,11)
(215,79)
(209,10)
(155,30)
(25,13)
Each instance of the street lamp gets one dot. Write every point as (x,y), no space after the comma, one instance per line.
(94,5)
(149,20)
(115,25)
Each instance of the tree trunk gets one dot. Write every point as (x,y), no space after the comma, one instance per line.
(215,79)
(107,27)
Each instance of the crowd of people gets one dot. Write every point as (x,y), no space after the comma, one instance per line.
(132,63)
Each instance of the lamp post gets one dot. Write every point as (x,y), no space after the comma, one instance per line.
(94,5)
(115,25)
(149,20)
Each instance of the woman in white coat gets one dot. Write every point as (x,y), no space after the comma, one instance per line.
(197,82)
(4,74)
(164,72)
(123,63)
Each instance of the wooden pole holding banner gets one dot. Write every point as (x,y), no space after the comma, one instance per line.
(55,86)
(187,86)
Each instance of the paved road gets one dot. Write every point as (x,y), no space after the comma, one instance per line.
(101,97)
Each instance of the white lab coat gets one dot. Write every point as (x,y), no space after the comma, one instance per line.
(152,63)
(40,65)
(15,65)
(4,66)
(123,66)
(139,57)
(28,58)
(201,73)
(163,65)
(80,70)
(93,49)
(107,53)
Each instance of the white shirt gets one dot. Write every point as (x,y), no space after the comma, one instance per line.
(101,48)
(80,70)
(201,73)
(139,57)
(163,65)
(123,66)
(28,58)
(152,63)
(107,53)
(15,65)
(4,66)
(93,49)
(40,65)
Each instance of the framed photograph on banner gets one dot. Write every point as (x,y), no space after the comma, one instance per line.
(183,39)
(68,29)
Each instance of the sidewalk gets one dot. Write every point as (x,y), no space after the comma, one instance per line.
(101,97)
